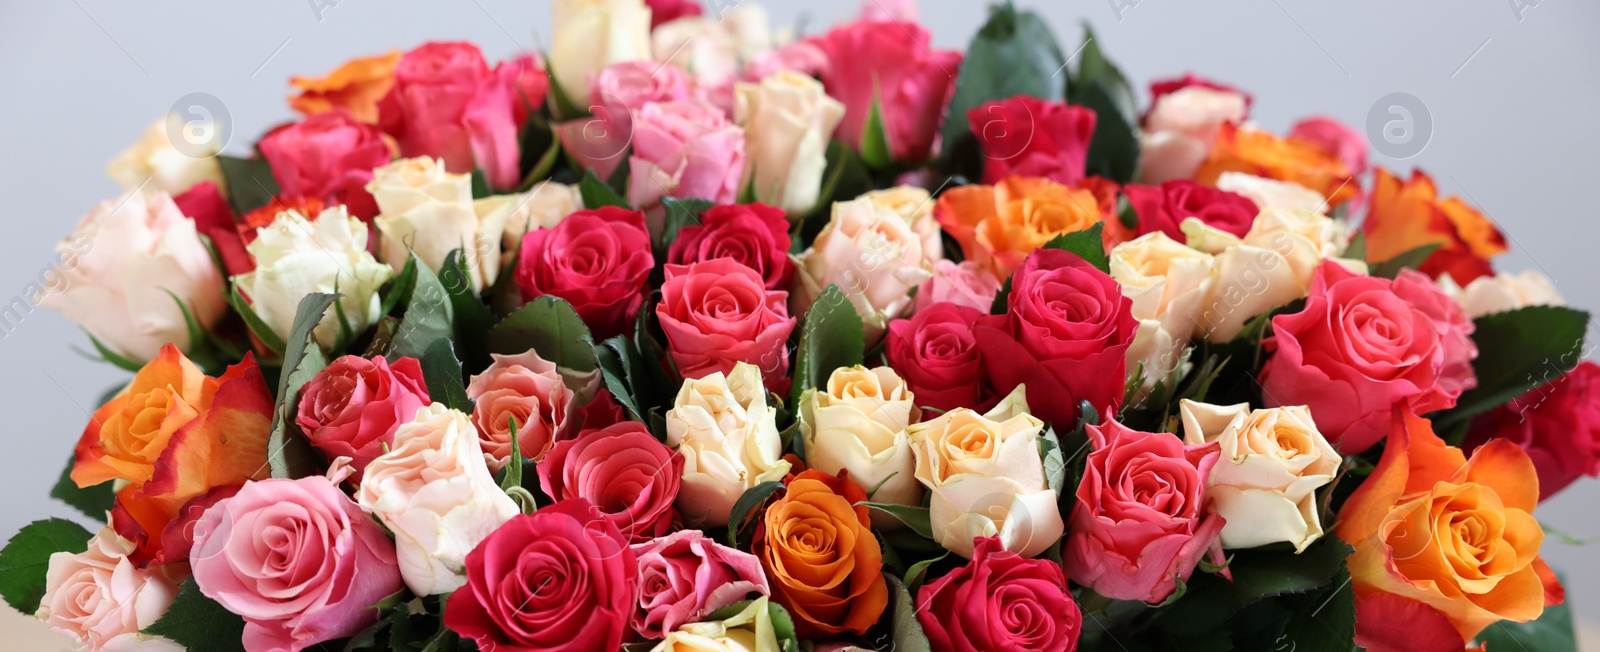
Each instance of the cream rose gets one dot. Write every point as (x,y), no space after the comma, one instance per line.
(434,492)
(750,630)
(128,254)
(295,257)
(1271,193)
(426,208)
(1272,463)
(1179,130)
(872,254)
(1167,283)
(728,437)
(858,423)
(987,478)
(915,205)
(540,208)
(102,600)
(787,120)
(1487,295)
(704,47)
(593,34)
(158,166)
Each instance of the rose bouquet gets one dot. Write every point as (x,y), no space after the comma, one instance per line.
(684,336)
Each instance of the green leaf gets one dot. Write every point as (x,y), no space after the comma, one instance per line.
(1002,299)
(832,337)
(679,213)
(116,359)
(258,326)
(1519,350)
(1261,573)
(1055,463)
(1014,53)
(1552,631)
(1324,620)
(616,358)
(94,501)
(1114,149)
(1095,69)
(905,632)
(537,136)
(425,334)
(27,556)
(549,326)
(875,149)
(288,451)
(915,518)
(398,289)
(1086,244)
(249,180)
(746,507)
(597,193)
(471,317)
(1357,249)
(480,184)
(199,623)
(562,104)
(917,573)
(1410,259)
(513,475)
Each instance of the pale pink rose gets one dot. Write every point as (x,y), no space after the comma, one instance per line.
(800,56)
(1183,120)
(684,149)
(297,559)
(102,600)
(685,576)
(528,390)
(901,11)
(965,284)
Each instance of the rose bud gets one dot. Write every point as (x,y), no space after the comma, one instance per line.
(352,407)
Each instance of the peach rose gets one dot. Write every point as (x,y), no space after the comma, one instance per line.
(102,599)
(1405,214)
(823,561)
(875,257)
(527,390)
(857,423)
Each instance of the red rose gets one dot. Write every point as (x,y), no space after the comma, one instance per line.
(1065,334)
(1356,351)
(597,260)
(1163,208)
(937,353)
(602,410)
(1141,521)
(662,11)
(353,405)
(328,156)
(214,218)
(1000,601)
(891,64)
(1335,138)
(1030,137)
(1557,423)
(561,579)
(447,103)
(624,470)
(718,313)
(756,235)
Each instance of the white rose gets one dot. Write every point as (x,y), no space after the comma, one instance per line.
(750,630)
(156,164)
(1180,128)
(435,493)
(1265,482)
(728,437)
(858,423)
(1487,295)
(1271,193)
(295,257)
(542,207)
(593,34)
(987,478)
(787,120)
(704,47)
(872,254)
(102,600)
(119,265)
(430,210)
(1168,284)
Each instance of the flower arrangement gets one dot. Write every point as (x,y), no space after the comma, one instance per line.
(686,336)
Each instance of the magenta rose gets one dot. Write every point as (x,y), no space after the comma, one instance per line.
(894,65)
(756,235)
(1141,521)
(328,156)
(685,576)
(447,103)
(719,313)
(624,470)
(662,11)
(351,407)
(684,149)
(937,354)
(297,559)
(1065,335)
(1455,329)
(561,579)
(523,391)
(1557,423)
(597,260)
(965,284)
(1335,138)
(1031,137)
(1000,601)
(1356,351)
(1164,208)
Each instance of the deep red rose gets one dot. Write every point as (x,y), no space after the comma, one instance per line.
(597,260)
(1031,137)
(937,353)
(177,540)
(1557,423)
(624,470)
(328,156)
(1163,208)
(756,235)
(1065,335)
(561,579)
(895,66)
(662,11)
(212,216)
(1000,601)
(447,103)
(602,410)
(717,314)
(353,405)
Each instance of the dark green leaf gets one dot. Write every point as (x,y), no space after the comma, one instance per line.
(27,556)
(199,623)
(616,359)
(258,327)
(288,451)
(1519,350)
(480,184)
(1410,259)
(679,213)
(747,506)
(425,334)
(1357,249)
(832,337)
(549,326)
(249,180)
(919,571)
(597,193)
(537,137)
(471,317)
(107,355)
(1095,69)
(1086,244)
(1114,149)
(1014,53)
(398,290)
(906,632)
(94,501)
(915,518)
(1323,620)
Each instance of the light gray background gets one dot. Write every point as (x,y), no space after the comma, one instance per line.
(1513,95)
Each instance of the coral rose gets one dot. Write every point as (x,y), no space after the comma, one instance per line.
(823,561)
(352,407)
(628,474)
(525,392)
(718,313)
(329,156)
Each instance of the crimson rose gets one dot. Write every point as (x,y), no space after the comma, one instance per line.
(1163,208)
(597,260)
(1030,137)
(936,352)
(756,235)
(1000,601)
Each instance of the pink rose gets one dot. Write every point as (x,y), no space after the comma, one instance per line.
(1030,137)
(685,576)
(447,103)
(800,56)
(299,560)
(328,156)
(1184,118)
(1455,329)
(351,407)
(1000,601)
(599,141)
(756,235)
(1557,423)
(1335,138)
(965,284)
(597,260)
(1356,351)
(684,149)
(527,390)
(894,65)
(1141,522)
(890,10)
(719,313)
(662,11)
(1164,208)
(936,352)
(624,470)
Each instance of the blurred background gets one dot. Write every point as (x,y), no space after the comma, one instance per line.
(1510,86)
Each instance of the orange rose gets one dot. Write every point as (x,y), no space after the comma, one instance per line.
(1263,154)
(1000,225)
(355,86)
(1443,539)
(824,562)
(1404,215)
(173,434)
